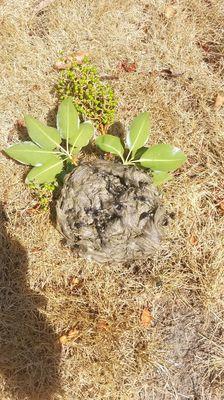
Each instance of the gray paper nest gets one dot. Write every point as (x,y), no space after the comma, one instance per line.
(110,212)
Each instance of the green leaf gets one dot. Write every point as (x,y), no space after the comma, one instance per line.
(47,172)
(75,151)
(110,144)
(162,157)
(139,132)
(160,177)
(82,136)
(41,134)
(29,153)
(67,119)
(140,152)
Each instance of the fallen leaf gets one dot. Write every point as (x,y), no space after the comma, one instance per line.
(102,325)
(127,66)
(63,339)
(20,123)
(80,55)
(219,101)
(221,205)
(67,61)
(146,318)
(193,240)
(73,281)
(60,65)
(33,209)
(170,11)
(36,249)
(204,46)
(73,334)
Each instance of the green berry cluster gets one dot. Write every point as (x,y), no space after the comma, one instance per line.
(93,98)
(43,193)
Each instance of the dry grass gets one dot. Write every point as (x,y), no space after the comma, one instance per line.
(181,355)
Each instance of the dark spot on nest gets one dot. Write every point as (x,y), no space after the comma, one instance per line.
(143,215)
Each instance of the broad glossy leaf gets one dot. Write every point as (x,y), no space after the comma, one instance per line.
(29,153)
(67,119)
(140,152)
(160,177)
(47,172)
(75,151)
(110,144)
(41,134)
(139,132)
(82,136)
(163,157)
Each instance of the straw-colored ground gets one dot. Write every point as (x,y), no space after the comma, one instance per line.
(45,292)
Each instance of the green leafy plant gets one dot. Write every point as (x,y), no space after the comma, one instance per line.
(50,158)
(46,152)
(93,98)
(43,193)
(161,159)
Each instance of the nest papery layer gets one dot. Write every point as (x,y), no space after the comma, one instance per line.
(110,212)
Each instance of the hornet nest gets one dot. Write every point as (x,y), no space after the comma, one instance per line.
(110,212)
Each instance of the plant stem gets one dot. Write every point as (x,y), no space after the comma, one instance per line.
(123,160)
(71,150)
(128,156)
(64,151)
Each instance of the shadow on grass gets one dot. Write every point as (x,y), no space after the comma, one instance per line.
(29,351)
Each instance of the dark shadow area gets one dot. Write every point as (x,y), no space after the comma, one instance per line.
(52,205)
(52,116)
(29,349)
(117,129)
(21,130)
